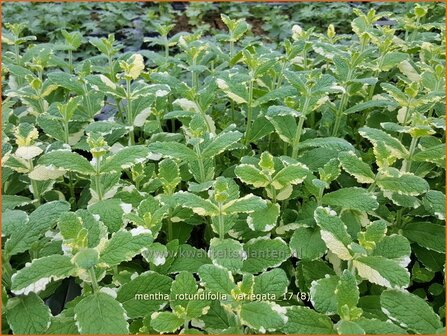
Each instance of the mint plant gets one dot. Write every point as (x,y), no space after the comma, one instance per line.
(265,171)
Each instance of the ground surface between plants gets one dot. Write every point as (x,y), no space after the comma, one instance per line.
(243,176)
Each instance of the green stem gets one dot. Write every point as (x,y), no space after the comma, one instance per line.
(339,113)
(98,179)
(406,117)
(7,271)
(166,48)
(195,80)
(231,48)
(92,274)
(296,139)
(249,111)
(200,161)
(35,189)
(341,107)
(88,102)
(170,230)
(221,223)
(70,61)
(280,75)
(17,53)
(112,72)
(129,114)
(273,192)
(406,164)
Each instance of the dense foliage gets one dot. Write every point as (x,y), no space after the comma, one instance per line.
(223,177)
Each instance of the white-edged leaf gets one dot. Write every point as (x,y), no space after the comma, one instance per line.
(99,313)
(35,276)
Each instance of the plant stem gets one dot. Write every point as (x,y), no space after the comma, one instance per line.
(98,179)
(280,75)
(231,48)
(406,164)
(17,53)
(129,113)
(341,107)
(273,192)
(249,111)
(7,271)
(221,223)
(92,274)
(200,161)
(70,61)
(88,102)
(296,139)
(339,113)
(166,48)
(34,186)
(169,230)
(112,73)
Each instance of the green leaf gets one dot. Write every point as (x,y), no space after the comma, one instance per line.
(63,324)
(124,245)
(221,143)
(367,105)
(337,144)
(227,253)
(144,294)
(347,292)
(333,232)
(391,59)
(306,243)
(394,247)
(434,202)
(249,174)
(184,283)
(166,322)
(322,295)
(278,111)
(402,183)
(13,221)
(291,174)
(351,198)
(189,259)
(302,320)
(125,158)
(14,201)
(110,212)
(174,150)
(67,81)
(34,277)
(274,282)
(433,154)
(263,316)
(263,253)
(353,165)
(196,203)
(378,136)
(86,258)
(246,204)
(402,307)
(285,126)
(375,326)
(100,313)
(426,234)
(217,279)
(28,315)
(382,271)
(42,219)
(67,160)
(264,219)
(348,328)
